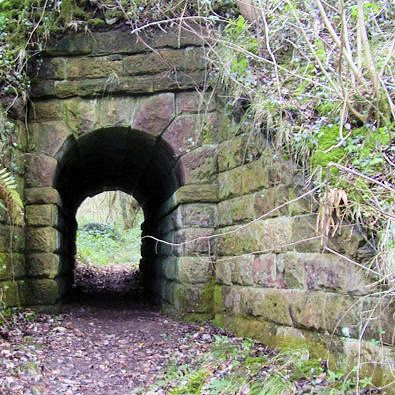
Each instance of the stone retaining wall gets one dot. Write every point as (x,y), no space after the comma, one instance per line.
(14,288)
(272,281)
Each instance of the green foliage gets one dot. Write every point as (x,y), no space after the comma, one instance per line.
(231,368)
(102,244)
(9,197)
(326,150)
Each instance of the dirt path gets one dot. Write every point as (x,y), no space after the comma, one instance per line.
(104,344)
(95,350)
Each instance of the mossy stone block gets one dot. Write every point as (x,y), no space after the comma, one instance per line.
(12,266)
(45,239)
(41,292)
(45,195)
(42,215)
(43,265)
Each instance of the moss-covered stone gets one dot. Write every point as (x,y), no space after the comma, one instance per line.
(12,239)
(236,210)
(43,265)
(12,266)
(194,270)
(200,165)
(9,294)
(45,239)
(42,215)
(40,292)
(45,195)
(40,170)
(243,179)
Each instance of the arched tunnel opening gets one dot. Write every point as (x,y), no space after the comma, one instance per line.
(116,159)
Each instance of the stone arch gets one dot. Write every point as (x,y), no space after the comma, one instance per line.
(153,136)
(116,158)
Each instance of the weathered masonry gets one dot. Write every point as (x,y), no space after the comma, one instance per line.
(108,113)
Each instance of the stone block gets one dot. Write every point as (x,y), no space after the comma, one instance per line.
(333,273)
(42,89)
(236,270)
(81,114)
(264,272)
(11,238)
(45,239)
(304,237)
(40,170)
(42,215)
(98,67)
(242,180)
(241,150)
(325,311)
(233,240)
(200,165)
(170,60)
(348,240)
(194,270)
(193,241)
(179,80)
(52,69)
(267,201)
(236,210)
(378,319)
(46,195)
(202,215)
(270,304)
(43,265)
(117,42)
(9,292)
(48,137)
(274,234)
(183,134)
(154,114)
(291,265)
(74,44)
(196,193)
(280,171)
(41,292)
(12,266)
(192,298)
(195,102)
(46,110)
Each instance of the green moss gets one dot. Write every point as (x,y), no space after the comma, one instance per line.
(328,137)
(219,320)
(97,22)
(218,298)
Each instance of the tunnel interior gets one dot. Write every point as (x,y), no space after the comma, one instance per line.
(111,159)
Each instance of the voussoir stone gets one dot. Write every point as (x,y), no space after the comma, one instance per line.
(154,114)
(195,102)
(183,134)
(39,170)
(48,137)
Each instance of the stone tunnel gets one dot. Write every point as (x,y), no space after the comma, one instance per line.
(110,113)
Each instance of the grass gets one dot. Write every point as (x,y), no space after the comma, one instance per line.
(234,366)
(101,244)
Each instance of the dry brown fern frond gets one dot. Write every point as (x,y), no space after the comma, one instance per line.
(9,198)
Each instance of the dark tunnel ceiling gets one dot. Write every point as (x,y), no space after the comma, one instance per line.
(117,159)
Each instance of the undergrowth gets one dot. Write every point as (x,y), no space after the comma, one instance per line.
(317,79)
(101,244)
(245,367)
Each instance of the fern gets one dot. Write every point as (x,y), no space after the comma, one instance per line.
(9,197)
